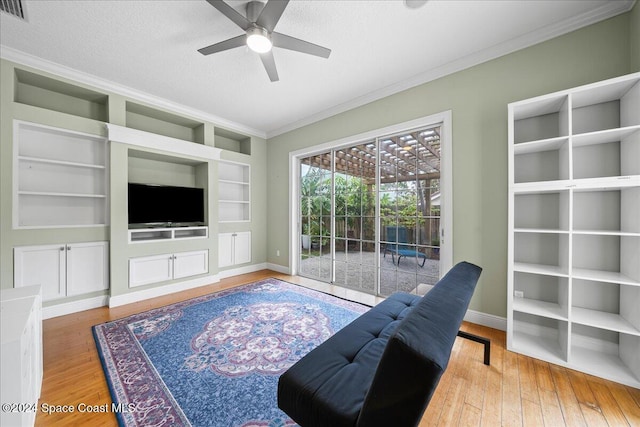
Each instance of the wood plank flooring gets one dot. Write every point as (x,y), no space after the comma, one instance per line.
(514,391)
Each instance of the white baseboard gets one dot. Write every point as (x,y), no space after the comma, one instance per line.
(242,270)
(159,291)
(279,268)
(74,306)
(484,319)
(118,300)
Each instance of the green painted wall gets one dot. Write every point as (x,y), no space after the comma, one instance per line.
(478,98)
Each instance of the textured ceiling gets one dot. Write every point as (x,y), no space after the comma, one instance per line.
(378,47)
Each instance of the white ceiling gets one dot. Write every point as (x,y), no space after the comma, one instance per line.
(149,49)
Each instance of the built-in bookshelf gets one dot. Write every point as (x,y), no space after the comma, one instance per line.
(232,141)
(55,95)
(60,177)
(148,119)
(574,228)
(234,191)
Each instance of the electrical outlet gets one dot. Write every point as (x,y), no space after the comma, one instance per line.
(277,252)
(519,294)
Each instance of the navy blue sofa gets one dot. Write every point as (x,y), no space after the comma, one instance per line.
(382,368)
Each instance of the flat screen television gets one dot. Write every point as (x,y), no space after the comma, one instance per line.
(165,205)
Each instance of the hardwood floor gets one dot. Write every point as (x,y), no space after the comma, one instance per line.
(514,391)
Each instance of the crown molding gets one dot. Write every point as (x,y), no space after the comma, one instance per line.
(607,10)
(22,58)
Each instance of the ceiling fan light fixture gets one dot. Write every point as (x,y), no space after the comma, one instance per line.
(258,40)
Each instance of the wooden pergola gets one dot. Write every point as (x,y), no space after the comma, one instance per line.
(405,157)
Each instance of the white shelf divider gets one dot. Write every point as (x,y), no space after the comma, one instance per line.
(539,308)
(604,276)
(602,319)
(60,162)
(147,235)
(548,270)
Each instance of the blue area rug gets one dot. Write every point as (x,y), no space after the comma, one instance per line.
(215,360)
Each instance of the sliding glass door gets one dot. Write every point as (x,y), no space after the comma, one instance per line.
(315,217)
(370,214)
(409,211)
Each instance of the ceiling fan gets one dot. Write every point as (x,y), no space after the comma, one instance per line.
(258,25)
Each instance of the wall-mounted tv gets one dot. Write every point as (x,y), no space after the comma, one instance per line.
(164,205)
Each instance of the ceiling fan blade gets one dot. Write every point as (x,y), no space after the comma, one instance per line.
(292,43)
(231,13)
(270,65)
(225,45)
(271,14)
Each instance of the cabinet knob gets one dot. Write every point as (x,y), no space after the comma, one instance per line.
(62,248)
(68,247)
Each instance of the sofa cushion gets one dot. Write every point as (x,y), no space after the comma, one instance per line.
(328,385)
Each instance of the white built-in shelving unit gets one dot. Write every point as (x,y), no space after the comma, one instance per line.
(234,190)
(574,229)
(60,177)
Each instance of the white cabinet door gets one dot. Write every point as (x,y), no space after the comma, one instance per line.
(151,269)
(187,264)
(225,249)
(63,269)
(160,268)
(242,247)
(41,265)
(87,267)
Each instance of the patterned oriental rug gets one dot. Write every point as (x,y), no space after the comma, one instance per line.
(215,360)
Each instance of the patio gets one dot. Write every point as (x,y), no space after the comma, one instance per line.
(356,270)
